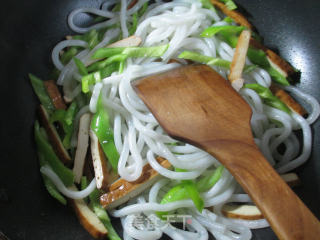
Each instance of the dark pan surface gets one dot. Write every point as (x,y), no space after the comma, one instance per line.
(30,29)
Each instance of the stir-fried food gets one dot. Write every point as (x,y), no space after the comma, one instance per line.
(101,150)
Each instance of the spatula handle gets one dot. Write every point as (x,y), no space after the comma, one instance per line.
(286,213)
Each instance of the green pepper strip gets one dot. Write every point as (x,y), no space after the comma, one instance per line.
(83,185)
(268,97)
(100,211)
(46,150)
(69,54)
(156,51)
(193,193)
(143,9)
(89,80)
(91,37)
(41,92)
(230,4)
(71,113)
(101,126)
(81,67)
(97,76)
(207,182)
(226,30)
(207,4)
(186,189)
(65,118)
(134,25)
(112,59)
(51,188)
(205,59)
(211,60)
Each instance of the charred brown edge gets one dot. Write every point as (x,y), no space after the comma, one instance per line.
(108,174)
(53,136)
(235,15)
(274,58)
(54,94)
(121,187)
(85,223)
(288,100)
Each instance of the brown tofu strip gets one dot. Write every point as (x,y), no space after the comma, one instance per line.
(275,60)
(288,100)
(54,94)
(243,211)
(236,16)
(132,41)
(250,212)
(54,137)
(239,60)
(102,170)
(88,218)
(82,146)
(121,191)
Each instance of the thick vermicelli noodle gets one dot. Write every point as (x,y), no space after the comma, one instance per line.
(138,137)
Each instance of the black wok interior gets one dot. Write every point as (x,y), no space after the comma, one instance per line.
(28,32)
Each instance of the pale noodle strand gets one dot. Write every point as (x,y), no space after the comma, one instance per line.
(310,100)
(123,18)
(46,170)
(60,46)
(307,143)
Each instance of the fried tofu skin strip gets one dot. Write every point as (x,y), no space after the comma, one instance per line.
(102,170)
(82,146)
(121,190)
(239,60)
(243,211)
(88,218)
(132,41)
(54,94)
(54,136)
(275,60)
(235,15)
(288,100)
(251,212)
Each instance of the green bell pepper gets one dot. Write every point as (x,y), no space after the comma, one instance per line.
(268,98)
(46,150)
(101,126)
(49,185)
(41,92)
(207,182)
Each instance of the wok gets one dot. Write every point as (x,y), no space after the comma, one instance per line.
(30,29)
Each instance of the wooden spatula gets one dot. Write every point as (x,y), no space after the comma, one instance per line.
(196,105)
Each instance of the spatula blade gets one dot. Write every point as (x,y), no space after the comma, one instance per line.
(194,101)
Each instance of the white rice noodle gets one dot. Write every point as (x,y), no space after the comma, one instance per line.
(313,116)
(60,46)
(306,148)
(123,19)
(95,97)
(46,170)
(103,13)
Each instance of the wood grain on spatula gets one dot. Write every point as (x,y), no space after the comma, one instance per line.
(196,105)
